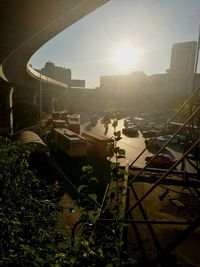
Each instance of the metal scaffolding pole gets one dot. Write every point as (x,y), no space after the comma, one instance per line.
(163,176)
(40,101)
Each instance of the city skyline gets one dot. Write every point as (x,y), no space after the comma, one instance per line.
(89,46)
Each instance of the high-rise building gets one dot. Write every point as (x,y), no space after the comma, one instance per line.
(181,72)
(183,57)
(61,74)
(55,72)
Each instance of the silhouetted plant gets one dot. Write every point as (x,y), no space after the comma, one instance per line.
(101,243)
(30,234)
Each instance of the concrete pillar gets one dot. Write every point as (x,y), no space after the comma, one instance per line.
(53,105)
(35,97)
(6,109)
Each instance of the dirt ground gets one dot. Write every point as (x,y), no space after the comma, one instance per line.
(179,204)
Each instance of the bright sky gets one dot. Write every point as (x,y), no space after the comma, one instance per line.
(122,36)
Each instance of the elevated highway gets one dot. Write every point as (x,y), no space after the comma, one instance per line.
(25,27)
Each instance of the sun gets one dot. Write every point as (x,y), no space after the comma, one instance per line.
(125,56)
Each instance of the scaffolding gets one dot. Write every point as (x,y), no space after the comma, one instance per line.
(143,236)
(188,183)
(165,179)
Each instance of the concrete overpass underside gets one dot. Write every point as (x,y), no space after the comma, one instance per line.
(25,27)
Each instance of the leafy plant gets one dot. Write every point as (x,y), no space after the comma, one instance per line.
(30,234)
(101,242)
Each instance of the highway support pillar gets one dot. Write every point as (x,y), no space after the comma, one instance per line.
(6,109)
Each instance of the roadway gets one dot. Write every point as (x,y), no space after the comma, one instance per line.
(132,145)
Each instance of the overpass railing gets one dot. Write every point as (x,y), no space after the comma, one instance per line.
(43,78)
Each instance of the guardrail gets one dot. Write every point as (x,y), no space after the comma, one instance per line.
(43,78)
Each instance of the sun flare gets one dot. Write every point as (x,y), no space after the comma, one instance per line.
(125,56)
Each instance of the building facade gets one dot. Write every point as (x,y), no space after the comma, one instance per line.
(61,74)
(62,100)
(183,57)
(176,83)
(181,72)
(124,91)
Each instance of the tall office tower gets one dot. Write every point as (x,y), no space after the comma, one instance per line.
(183,57)
(181,72)
(58,73)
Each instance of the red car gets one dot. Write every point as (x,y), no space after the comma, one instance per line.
(161,160)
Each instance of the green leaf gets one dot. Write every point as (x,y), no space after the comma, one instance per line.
(100,252)
(92,219)
(120,157)
(87,169)
(93,179)
(110,146)
(81,209)
(85,243)
(107,122)
(81,187)
(106,130)
(121,152)
(114,124)
(83,177)
(118,139)
(114,165)
(73,259)
(123,172)
(92,196)
(116,150)
(51,245)
(117,134)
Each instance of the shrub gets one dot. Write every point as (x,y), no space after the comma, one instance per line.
(30,234)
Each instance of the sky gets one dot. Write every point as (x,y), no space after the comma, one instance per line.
(122,36)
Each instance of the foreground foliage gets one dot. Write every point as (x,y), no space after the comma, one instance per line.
(30,234)
(29,208)
(102,242)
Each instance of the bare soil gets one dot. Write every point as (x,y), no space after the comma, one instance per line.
(179,204)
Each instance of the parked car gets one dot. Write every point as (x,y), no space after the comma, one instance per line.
(131,130)
(165,138)
(150,133)
(127,122)
(161,160)
(153,141)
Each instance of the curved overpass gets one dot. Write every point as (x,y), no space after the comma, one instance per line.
(26,26)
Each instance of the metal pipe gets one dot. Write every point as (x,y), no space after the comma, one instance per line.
(104,198)
(176,242)
(173,182)
(164,127)
(153,235)
(196,62)
(163,176)
(157,170)
(40,105)
(146,221)
(179,129)
(140,242)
